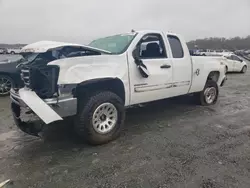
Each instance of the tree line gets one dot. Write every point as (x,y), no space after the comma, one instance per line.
(236,43)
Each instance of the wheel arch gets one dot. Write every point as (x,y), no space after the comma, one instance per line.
(245,65)
(111,84)
(213,75)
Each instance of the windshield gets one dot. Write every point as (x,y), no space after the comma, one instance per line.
(116,44)
(29,56)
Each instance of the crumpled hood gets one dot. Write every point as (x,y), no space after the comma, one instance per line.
(79,69)
(44,46)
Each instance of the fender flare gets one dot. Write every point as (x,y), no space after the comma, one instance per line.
(119,88)
(96,80)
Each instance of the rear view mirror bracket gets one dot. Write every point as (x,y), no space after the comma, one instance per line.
(140,65)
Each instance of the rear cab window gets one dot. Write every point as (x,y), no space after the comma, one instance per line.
(176,46)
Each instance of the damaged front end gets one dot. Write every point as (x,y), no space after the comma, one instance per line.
(42,97)
(42,100)
(30,112)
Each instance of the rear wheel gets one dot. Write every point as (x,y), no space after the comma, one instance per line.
(244,69)
(100,118)
(5,85)
(209,95)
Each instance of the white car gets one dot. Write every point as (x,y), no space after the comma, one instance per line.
(96,86)
(205,52)
(234,63)
(13,51)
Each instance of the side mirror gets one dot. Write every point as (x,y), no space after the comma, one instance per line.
(241,60)
(136,54)
(141,67)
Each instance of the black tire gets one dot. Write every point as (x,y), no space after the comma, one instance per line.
(86,108)
(12,52)
(244,69)
(202,96)
(4,77)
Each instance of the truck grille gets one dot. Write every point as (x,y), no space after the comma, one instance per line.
(25,75)
(42,80)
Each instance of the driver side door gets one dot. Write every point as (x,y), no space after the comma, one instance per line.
(153,54)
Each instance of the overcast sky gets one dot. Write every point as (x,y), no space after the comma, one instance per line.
(26,21)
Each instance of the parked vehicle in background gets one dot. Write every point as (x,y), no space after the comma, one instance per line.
(220,52)
(3,51)
(13,51)
(204,52)
(247,52)
(96,86)
(234,63)
(9,76)
(210,52)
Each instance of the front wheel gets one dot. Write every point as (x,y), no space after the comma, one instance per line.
(100,118)
(210,93)
(244,69)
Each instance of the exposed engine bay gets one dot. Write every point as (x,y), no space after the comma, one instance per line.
(42,78)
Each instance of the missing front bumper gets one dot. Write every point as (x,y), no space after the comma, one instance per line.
(48,110)
(30,127)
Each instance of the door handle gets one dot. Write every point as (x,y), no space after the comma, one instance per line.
(165,66)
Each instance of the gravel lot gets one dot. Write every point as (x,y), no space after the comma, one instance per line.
(170,143)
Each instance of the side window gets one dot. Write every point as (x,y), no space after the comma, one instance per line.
(235,58)
(152,47)
(176,46)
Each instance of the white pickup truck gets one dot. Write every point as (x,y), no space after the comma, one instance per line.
(95,83)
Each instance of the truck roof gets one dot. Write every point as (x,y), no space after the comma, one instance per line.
(154,31)
(44,46)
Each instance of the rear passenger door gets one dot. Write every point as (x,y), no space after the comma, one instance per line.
(182,68)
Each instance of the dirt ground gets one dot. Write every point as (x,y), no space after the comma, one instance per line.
(167,144)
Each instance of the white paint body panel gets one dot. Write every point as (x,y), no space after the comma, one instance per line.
(182,70)
(39,106)
(80,69)
(205,65)
(161,82)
